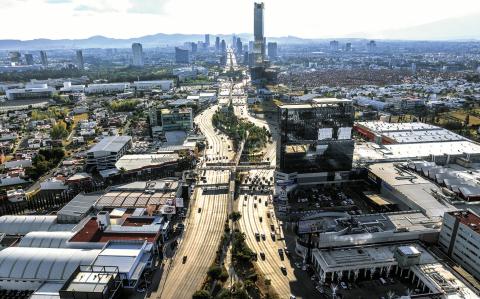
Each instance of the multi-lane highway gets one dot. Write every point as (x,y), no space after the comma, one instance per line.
(186,271)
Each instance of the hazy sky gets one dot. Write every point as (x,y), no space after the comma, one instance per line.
(28,19)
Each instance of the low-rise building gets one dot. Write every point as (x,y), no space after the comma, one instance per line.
(31,91)
(155,84)
(108,151)
(107,88)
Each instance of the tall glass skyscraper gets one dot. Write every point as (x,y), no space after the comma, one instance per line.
(317,137)
(258,33)
(137,50)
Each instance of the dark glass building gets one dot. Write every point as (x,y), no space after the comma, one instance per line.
(316,137)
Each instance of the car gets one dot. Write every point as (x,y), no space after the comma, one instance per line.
(262,255)
(263,237)
(287,252)
(283,269)
(272,235)
(272,227)
(343,285)
(199,210)
(260,218)
(257,236)
(184,259)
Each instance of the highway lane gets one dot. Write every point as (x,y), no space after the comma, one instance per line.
(204,226)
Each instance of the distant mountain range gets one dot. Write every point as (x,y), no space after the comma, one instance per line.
(464,28)
(148,41)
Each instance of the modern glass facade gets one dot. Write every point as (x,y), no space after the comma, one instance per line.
(316,137)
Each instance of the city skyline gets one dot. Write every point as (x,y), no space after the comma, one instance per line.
(307,19)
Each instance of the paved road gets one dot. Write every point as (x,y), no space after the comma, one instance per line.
(205,224)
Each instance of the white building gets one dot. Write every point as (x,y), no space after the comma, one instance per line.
(106,88)
(155,84)
(68,87)
(31,91)
(460,239)
(108,151)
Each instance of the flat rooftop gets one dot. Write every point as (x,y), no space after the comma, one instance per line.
(111,144)
(417,190)
(133,162)
(92,233)
(316,102)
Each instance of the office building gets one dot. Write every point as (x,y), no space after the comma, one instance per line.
(217,44)
(258,33)
(137,54)
(80,62)
(29,59)
(460,239)
(239,46)
(223,46)
(176,119)
(334,46)
(15,57)
(207,40)
(316,138)
(348,47)
(107,152)
(44,58)
(31,91)
(181,55)
(371,46)
(272,51)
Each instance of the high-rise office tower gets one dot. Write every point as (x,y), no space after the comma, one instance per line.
(272,51)
(207,40)
(181,55)
(217,43)
(29,59)
(371,46)
(317,137)
(15,57)
(239,46)
(334,46)
(234,41)
(137,50)
(223,46)
(80,63)
(250,46)
(348,47)
(44,58)
(258,34)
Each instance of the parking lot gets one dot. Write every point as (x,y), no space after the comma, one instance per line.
(374,289)
(330,198)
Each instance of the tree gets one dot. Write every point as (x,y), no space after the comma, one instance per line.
(235,216)
(214,272)
(201,294)
(59,130)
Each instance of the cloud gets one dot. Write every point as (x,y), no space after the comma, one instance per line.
(148,6)
(58,1)
(98,8)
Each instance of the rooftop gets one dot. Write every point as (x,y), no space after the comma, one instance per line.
(468,218)
(111,144)
(92,233)
(317,102)
(134,162)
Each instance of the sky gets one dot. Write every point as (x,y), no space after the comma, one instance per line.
(56,19)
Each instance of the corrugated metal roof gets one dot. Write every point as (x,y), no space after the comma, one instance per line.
(44,264)
(46,239)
